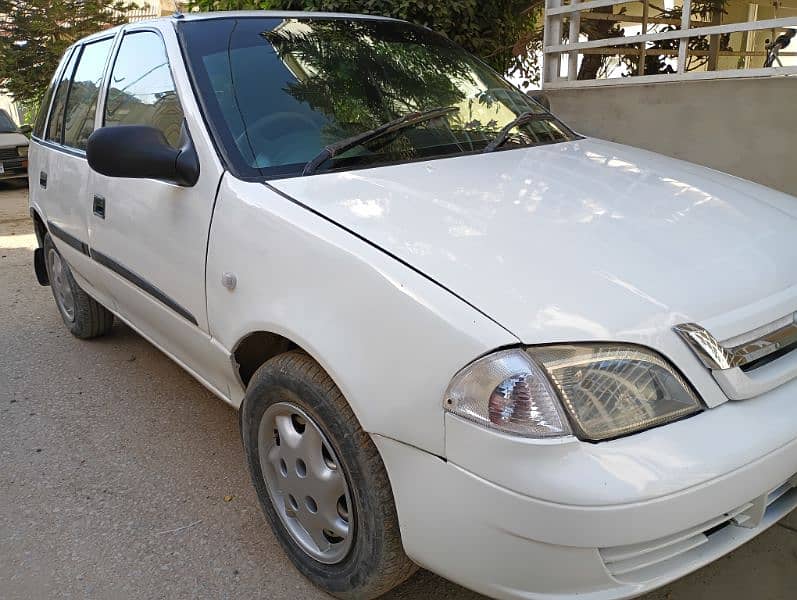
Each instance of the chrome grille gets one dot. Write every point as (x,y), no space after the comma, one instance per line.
(750,364)
(719,357)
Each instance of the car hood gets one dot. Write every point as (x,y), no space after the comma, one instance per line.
(12,139)
(585,240)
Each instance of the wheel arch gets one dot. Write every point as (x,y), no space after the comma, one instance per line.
(38,226)
(255,348)
(39,266)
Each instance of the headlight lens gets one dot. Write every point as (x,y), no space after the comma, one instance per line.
(22,151)
(611,390)
(607,390)
(507,391)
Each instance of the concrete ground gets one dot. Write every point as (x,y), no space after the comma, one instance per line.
(121,477)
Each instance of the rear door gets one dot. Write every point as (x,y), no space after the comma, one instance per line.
(39,153)
(60,171)
(151,236)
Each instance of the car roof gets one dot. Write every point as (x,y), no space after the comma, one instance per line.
(233,14)
(277,14)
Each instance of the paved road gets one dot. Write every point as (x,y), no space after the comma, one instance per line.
(121,477)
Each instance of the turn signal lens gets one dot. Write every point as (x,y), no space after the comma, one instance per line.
(508,392)
(22,151)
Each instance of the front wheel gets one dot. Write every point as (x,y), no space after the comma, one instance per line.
(321,481)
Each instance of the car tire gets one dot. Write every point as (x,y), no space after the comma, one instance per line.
(83,315)
(290,403)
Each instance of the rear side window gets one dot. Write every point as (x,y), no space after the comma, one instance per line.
(81,104)
(44,108)
(55,127)
(141,89)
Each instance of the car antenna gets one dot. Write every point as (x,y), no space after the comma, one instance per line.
(178,14)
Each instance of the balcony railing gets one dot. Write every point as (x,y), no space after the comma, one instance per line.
(565,46)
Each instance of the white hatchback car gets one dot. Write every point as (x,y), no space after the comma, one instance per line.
(459,334)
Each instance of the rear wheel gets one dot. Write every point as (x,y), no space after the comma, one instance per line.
(320,480)
(83,315)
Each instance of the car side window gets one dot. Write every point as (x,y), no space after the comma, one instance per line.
(55,127)
(44,107)
(141,89)
(81,104)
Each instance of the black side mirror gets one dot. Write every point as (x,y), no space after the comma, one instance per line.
(542,100)
(142,152)
(25,129)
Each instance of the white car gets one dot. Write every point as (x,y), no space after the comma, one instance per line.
(459,334)
(13,148)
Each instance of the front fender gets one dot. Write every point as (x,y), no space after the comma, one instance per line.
(389,337)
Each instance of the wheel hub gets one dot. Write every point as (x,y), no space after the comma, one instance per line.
(61,288)
(306,485)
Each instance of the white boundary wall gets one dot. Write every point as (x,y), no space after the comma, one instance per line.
(746,127)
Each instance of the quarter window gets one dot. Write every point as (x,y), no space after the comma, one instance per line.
(141,88)
(55,128)
(81,105)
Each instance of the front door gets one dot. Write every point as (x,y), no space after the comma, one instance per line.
(150,236)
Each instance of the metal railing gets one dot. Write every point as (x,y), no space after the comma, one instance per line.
(137,13)
(560,46)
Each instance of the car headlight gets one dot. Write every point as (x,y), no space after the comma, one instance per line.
(597,391)
(22,151)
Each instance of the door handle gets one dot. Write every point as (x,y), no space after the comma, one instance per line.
(43,179)
(99,206)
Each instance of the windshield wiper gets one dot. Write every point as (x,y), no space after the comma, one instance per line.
(522,119)
(408,120)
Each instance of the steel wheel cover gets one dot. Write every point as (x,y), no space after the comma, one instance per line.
(305,482)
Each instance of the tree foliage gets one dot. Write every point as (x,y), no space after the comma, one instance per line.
(35,33)
(496,31)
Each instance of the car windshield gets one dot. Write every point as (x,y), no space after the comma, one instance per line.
(277,91)
(6,124)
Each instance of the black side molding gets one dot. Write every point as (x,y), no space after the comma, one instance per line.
(143,284)
(125,273)
(68,238)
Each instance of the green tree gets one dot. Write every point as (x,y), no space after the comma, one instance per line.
(35,33)
(497,31)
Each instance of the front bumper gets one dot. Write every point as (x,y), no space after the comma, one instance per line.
(14,168)
(518,519)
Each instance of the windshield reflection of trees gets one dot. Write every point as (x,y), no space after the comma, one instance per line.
(362,74)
